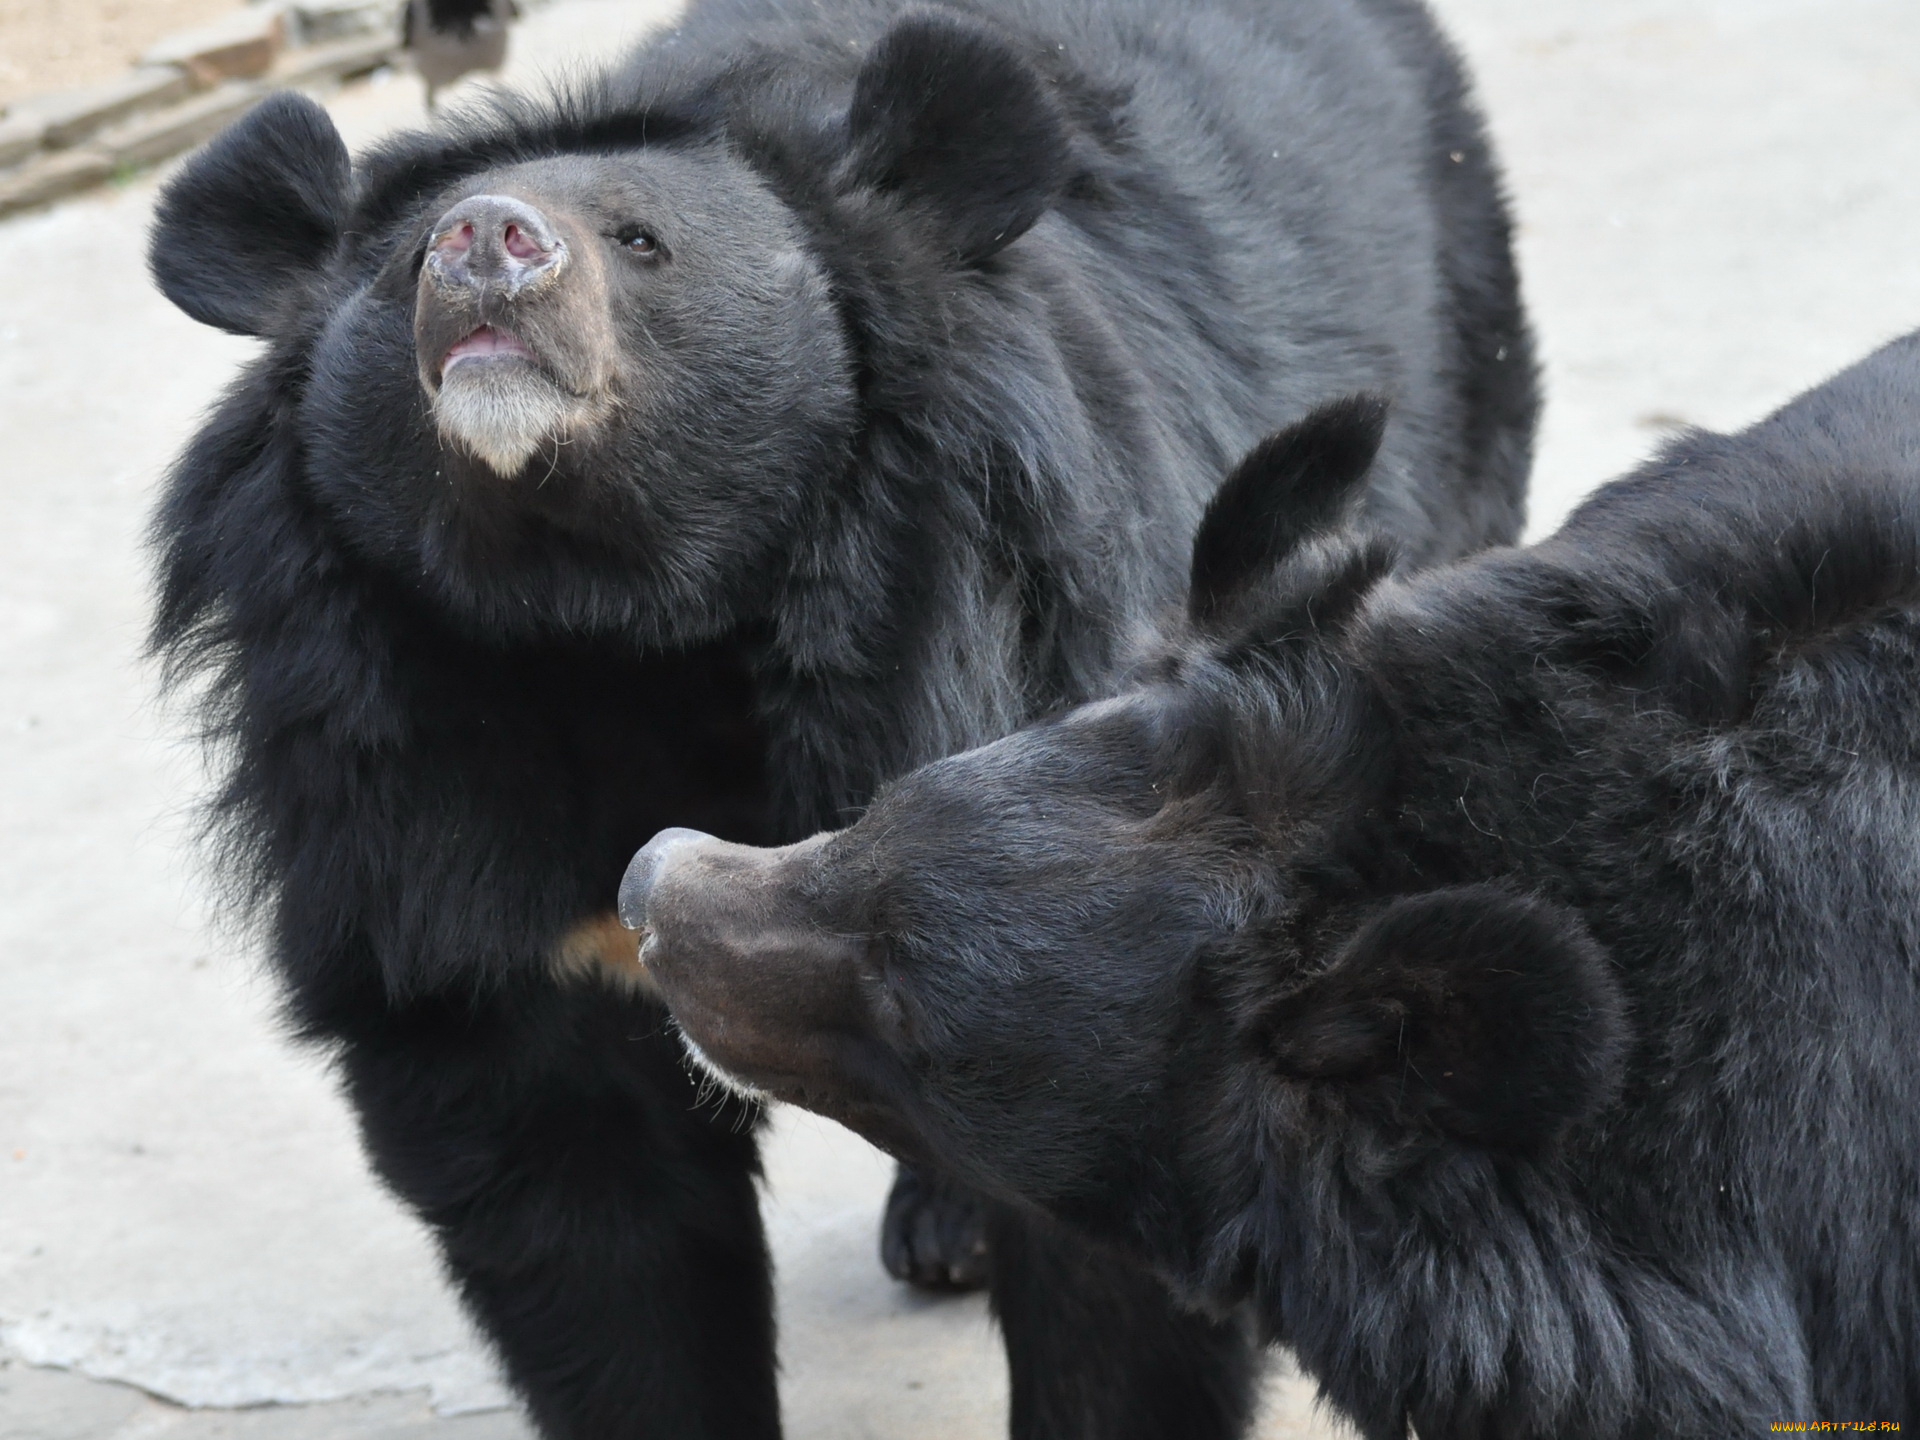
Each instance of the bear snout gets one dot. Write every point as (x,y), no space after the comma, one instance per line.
(754,978)
(511,335)
(494,243)
(643,872)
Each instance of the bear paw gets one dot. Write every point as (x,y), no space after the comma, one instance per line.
(934,1234)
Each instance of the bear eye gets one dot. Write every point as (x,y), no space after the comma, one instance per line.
(640,242)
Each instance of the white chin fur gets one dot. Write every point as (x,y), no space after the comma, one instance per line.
(501,411)
(719,1076)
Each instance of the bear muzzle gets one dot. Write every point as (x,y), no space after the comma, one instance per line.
(494,244)
(511,336)
(756,982)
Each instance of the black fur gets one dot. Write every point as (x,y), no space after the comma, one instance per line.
(274,233)
(948,118)
(1508,981)
(454,16)
(1492,1016)
(1297,483)
(926,334)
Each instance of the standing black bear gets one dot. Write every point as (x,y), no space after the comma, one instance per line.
(835,390)
(1507,977)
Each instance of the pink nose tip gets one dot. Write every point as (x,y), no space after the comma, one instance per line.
(494,240)
(523,246)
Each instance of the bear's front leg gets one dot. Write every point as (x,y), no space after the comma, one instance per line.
(597,1215)
(1098,1349)
(934,1233)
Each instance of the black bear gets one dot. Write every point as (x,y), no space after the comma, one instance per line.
(835,388)
(1505,977)
(447,39)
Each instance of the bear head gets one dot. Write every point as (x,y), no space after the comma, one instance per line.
(590,367)
(1113,965)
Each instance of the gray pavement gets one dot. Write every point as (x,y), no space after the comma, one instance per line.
(1718,207)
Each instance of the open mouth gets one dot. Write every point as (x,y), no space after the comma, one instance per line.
(487,343)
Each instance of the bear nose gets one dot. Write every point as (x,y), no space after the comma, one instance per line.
(489,241)
(644,872)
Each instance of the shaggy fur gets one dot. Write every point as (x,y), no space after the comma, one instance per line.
(1505,977)
(905,348)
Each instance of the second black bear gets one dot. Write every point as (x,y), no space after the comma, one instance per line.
(835,389)
(1506,977)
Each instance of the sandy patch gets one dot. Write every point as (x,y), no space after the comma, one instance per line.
(59,44)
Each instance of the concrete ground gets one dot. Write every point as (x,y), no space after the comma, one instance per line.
(1717,207)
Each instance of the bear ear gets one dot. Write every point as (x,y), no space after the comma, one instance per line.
(1296,483)
(254,213)
(1492,1016)
(945,114)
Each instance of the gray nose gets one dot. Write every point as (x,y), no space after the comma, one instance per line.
(489,241)
(644,871)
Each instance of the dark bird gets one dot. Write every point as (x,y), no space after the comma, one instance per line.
(449,38)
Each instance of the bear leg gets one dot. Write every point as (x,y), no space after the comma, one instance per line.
(596,1210)
(1097,1349)
(934,1234)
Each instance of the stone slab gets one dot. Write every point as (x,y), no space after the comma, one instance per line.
(52,177)
(239,46)
(334,61)
(70,116)
(21,135)
(319,22)
(151,138)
